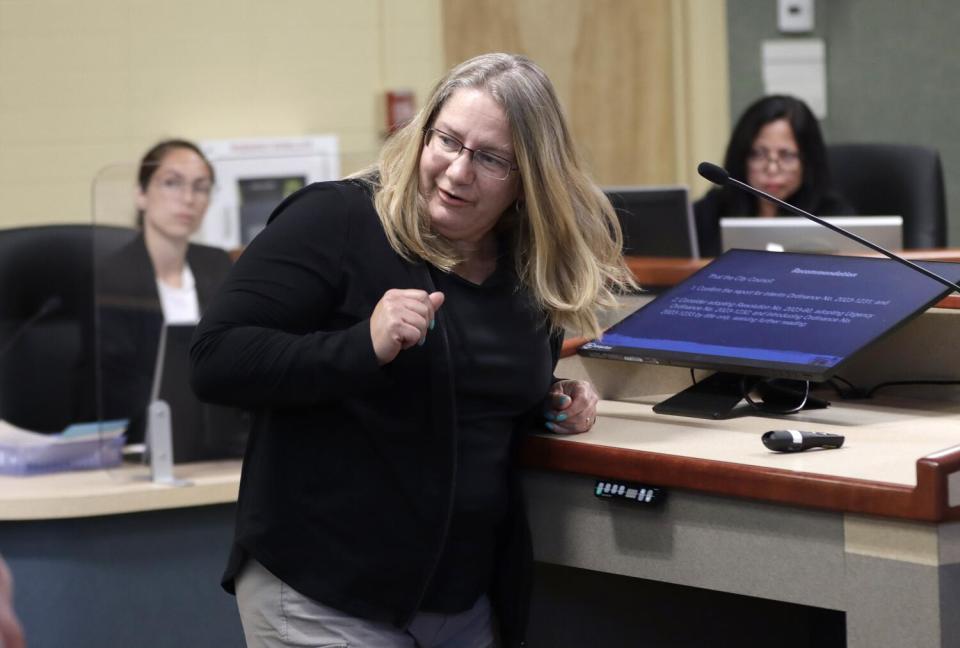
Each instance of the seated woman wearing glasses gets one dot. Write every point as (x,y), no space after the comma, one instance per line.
(397,334)
(776,146)
(159,277)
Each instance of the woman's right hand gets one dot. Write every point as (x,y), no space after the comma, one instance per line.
(401,320)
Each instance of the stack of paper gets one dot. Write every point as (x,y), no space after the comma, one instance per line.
(80,446)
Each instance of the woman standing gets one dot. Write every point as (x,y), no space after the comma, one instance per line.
(397,333)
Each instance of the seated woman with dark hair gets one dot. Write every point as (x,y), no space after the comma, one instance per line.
(160,277)
(776,146)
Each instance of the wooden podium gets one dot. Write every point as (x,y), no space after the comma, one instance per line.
(870,530)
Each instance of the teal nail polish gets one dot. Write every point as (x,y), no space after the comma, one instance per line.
(550,416)
(550,426)
(561,417)
(433,323)
(422,341)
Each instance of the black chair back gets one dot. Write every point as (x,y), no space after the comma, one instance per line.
(47,339)
(894,179)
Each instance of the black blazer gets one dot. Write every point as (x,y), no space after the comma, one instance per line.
(130,320)
(347,483)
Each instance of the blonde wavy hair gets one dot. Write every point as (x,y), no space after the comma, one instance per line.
(565,235)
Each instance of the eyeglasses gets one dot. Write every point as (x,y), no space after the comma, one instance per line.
(488,164)
(760,158)
(177,186)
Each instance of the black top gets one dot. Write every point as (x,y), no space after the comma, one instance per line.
(130,320)
(501,358)
(723,202)
(349,480)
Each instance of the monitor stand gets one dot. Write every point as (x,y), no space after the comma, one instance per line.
(717,395)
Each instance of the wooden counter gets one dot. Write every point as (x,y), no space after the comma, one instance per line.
(899,460)
(124,489)
(869,530)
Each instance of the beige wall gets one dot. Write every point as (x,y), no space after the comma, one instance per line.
(92,83)
(88,83)
(701,87)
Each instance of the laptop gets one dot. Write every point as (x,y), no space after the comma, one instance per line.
(798,234)
(656,221)
(200,431)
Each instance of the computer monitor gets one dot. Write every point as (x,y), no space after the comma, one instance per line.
(259,197)
(656,221)
(798,234)
(778,315)
(200,431)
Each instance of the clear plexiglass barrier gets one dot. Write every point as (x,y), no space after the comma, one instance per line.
(94,338)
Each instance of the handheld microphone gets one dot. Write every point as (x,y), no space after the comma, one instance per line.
(800,440)
(719,176)
(50,305)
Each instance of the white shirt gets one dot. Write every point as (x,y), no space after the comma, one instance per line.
(180,305)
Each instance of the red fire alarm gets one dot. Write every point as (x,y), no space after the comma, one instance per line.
(400,108)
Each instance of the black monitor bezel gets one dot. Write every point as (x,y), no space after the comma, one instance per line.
(629,200)
(759,368)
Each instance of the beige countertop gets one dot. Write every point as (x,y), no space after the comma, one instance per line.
(124,489)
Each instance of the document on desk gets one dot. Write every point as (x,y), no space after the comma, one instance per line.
(78,447)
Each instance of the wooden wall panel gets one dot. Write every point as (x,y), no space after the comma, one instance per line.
(611,62)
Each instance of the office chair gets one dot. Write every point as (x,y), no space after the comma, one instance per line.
(894,179)
(47,350)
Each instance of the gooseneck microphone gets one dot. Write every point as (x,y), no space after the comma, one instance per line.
(719,176)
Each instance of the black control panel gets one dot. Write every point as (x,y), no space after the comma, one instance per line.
(615,489)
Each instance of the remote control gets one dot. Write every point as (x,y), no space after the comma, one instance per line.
(799,440)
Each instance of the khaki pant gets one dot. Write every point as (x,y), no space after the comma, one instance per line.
(274,615)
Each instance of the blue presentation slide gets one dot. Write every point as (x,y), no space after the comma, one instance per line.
(767,307)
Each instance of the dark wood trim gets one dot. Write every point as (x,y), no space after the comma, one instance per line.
(571,345)
(950,301)
(658,272)
(926,502)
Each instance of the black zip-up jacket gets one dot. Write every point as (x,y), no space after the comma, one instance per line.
(347,483)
